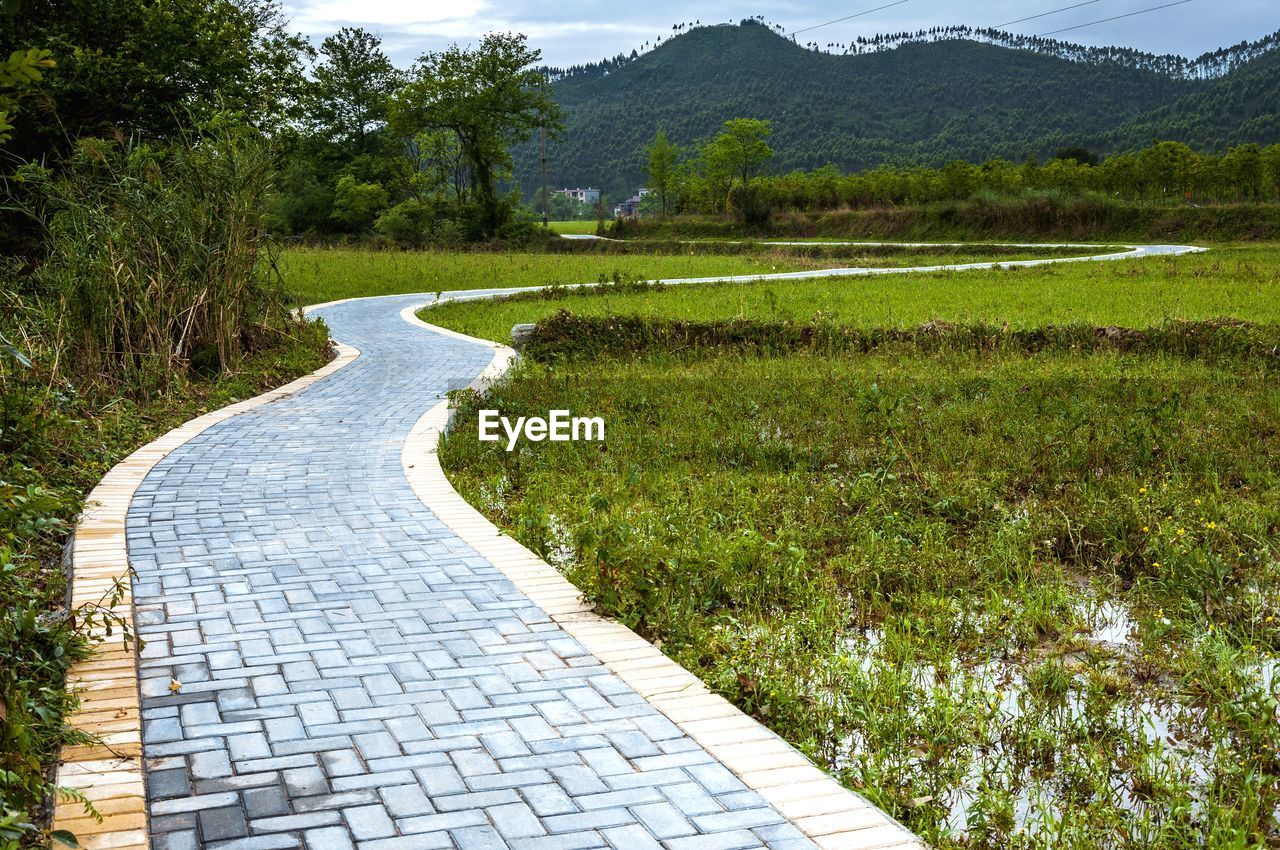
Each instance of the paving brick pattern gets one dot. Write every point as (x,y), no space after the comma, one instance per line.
(354,676)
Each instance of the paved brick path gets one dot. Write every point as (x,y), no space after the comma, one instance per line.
(352,674)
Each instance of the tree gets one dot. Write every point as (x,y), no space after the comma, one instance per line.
(142,68)
(353,86)
(356,204)
(741,149)
(663,158)
(23,69)
(491,98)
(1079,154)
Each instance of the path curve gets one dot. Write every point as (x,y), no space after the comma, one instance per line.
(354,672)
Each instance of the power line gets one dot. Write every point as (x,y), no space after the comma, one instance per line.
(849,17)
(1116,18)
(1046,14)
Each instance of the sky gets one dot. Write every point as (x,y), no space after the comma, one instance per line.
(587,30)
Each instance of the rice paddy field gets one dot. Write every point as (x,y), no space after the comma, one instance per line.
(314,275)
(1018,597)
(1240,281)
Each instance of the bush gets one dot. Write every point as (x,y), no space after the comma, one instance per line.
(408,224)
(751,206)
(357,204)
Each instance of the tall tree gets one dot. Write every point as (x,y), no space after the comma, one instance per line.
(663,159)
(492,98)
(741,149)
(352,90)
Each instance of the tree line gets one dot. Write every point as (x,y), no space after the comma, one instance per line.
(417,153)
(727,173)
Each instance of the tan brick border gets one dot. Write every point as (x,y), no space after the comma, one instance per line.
(834,817)
(111,774)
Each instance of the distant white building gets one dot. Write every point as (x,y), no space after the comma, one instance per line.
(585,196)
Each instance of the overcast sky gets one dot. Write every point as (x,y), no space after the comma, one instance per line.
(572,31)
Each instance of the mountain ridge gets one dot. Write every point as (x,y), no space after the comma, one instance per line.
(923,102)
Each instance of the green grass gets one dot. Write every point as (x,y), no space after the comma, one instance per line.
(1226,281)
(314,275)
(573,226)
(901,563)
(1017,600)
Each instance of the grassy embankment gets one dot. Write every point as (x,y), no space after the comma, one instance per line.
(1019,598)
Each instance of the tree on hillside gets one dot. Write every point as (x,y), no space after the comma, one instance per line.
(663,159)
(1079,154)
(352,90)
(491,98)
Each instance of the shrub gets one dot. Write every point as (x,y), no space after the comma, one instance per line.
(357,204)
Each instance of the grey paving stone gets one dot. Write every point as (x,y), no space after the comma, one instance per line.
(405,801)
(663,820)
(515,820)
(368,822)
(265,802)
(165,784)
(226,822)
(328,838)
(631,837)
(478,838)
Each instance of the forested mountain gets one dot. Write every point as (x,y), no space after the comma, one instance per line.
(927,97)
(1242,106)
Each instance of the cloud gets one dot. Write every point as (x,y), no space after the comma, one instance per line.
(327,15)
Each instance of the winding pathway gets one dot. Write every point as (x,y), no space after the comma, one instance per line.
(332,663)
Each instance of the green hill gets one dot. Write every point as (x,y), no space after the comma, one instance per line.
(926,102)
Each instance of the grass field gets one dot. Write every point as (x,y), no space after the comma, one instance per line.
(573,226)
(1017,600)
(1227,281)
(314,275)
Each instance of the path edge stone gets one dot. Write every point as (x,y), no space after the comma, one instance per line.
(110,773)
(832,816)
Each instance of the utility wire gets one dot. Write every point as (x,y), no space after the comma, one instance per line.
(849,17)
(1116,18)
(1046,14)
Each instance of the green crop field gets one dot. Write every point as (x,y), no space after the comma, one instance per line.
(313,275)
(1227,281)
(573,226)
(1017,599)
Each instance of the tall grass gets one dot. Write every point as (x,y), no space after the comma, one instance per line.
(159,257)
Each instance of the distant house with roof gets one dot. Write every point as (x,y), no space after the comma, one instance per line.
(630,208)
(584,196)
